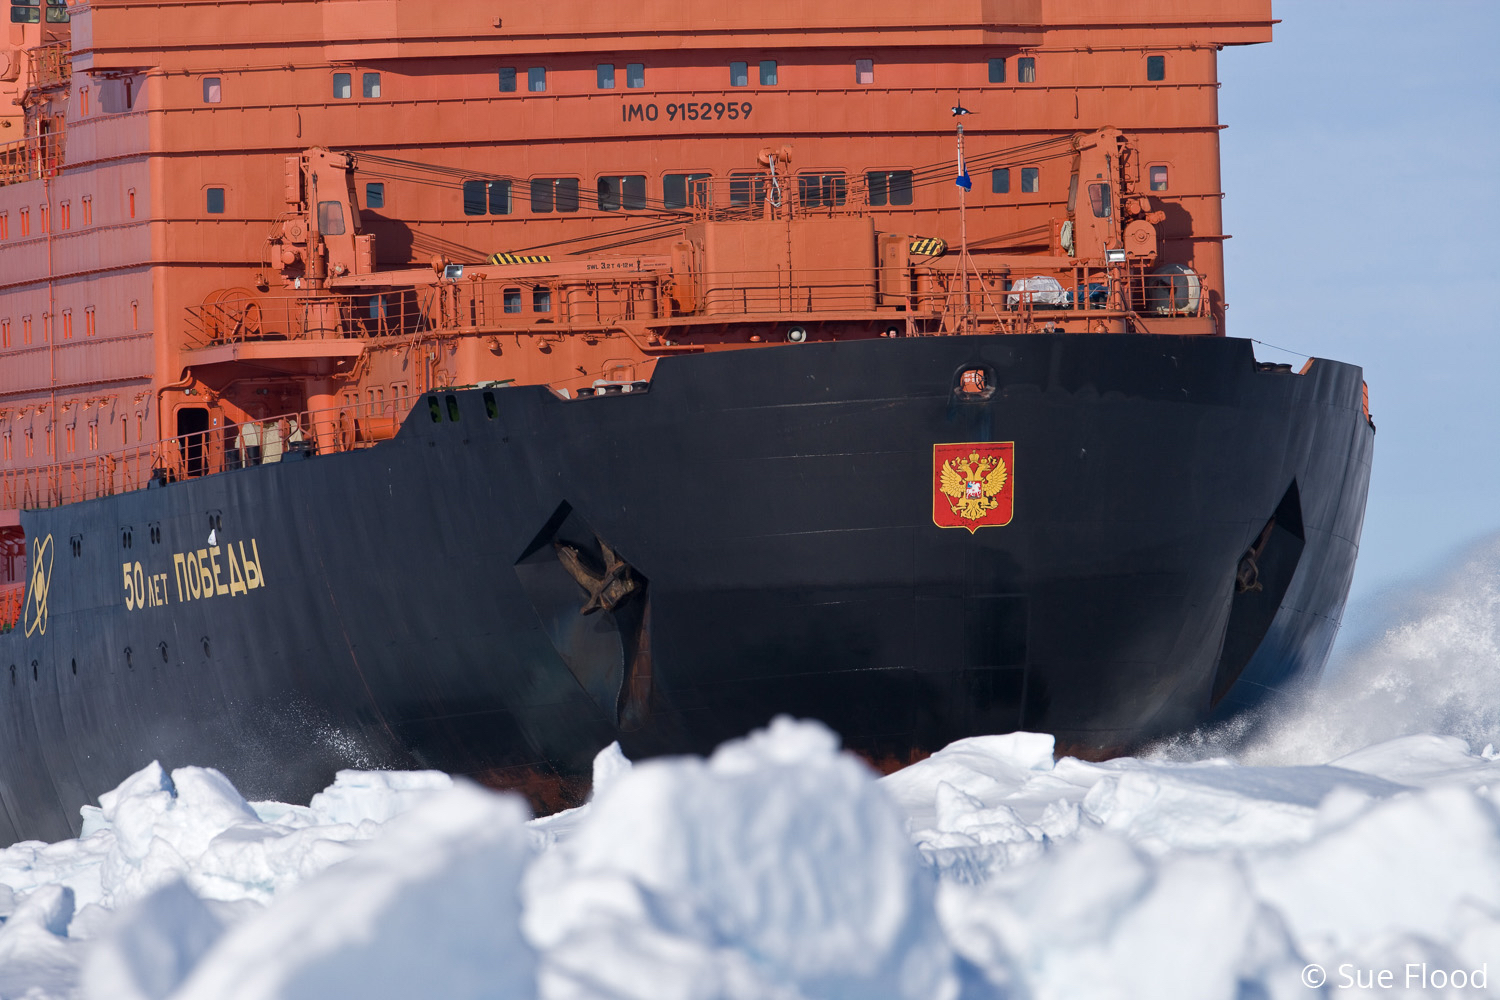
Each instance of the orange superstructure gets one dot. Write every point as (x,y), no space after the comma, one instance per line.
(231,224)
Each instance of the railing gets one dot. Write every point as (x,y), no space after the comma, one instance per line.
(191,456)
(1014,301)
(51,66)
(31,158)
(238,318)
(12,602)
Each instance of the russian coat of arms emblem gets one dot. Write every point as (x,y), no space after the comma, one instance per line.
(973,484)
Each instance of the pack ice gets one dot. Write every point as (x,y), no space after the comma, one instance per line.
(781,868)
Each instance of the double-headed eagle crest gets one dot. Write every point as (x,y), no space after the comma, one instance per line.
(972,485)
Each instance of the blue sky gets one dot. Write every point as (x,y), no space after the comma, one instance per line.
(1362,169)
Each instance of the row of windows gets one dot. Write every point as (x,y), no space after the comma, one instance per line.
(70,437)
(30,12)
(606,76)
(627,192)
(90,327)
(614,193)
(64,215)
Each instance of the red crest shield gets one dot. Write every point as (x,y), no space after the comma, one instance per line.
(973,484)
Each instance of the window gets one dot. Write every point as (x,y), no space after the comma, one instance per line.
(88,209)
(864,71)
(94,435)
(375,195)
(747,189)
(7,455)
(768,72)
(4,333)
(66,214)
(541,300)
(1158,178)
(682,190)
(135,314)
(635,75)
(1026,70)
(4,225)
(41,211)
(25,15)
(816,190)
(626,192)
(25,329)
(343,86)
(604,76)
(72,438)
(512,300)
(739,74)
(30,442)
(486,197)
(507,80)
(331,218)
(88,322)
(1000,181)
(997,71)
(67,324)
(130,202)
(83,102)
(536,79)
(215,199)
(1031,180)
(890,187)
(559,194)
(1156,67)
(57,12)
(371,82)
(25,222)
(213,93)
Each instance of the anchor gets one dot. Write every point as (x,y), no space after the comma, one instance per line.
(606,590)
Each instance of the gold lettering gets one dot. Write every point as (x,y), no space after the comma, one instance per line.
(140,587)
(259,569)
(236,577)
(220,588)
(179,563)
(163,577)
(129,590)
(195,579)
(252,571)
(207,573)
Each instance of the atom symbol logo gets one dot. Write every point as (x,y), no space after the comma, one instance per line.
(36,593)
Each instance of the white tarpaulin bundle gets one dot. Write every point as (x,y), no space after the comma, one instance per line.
(1039,290)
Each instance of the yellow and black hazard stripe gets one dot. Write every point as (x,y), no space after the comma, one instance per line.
(929,246)
(519,258)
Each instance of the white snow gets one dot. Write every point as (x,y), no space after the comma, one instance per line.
(1348,846)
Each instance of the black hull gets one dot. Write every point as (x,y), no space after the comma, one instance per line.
(776,508)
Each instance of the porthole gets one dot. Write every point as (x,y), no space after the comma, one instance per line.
(75,668)
(163,647)
(206,647)
(129,660)
(33,670)
(12,673)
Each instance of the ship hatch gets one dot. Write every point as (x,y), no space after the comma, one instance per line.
(1261,578)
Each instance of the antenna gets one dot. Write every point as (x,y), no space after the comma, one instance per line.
(964,186)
